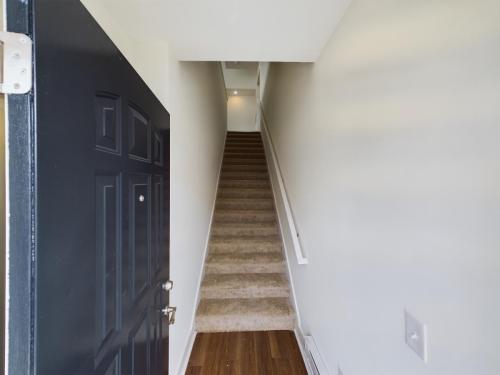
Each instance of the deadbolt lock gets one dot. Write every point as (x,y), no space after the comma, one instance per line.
(167,285)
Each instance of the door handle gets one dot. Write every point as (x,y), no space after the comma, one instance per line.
(167,285)
(169,311)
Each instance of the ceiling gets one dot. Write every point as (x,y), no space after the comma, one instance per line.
(233,30)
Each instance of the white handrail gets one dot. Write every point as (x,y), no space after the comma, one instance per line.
(301,259)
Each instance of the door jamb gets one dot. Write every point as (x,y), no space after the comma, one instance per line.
(21,214)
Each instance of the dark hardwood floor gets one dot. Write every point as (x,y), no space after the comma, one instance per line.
(246,353)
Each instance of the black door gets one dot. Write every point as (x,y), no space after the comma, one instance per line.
(95,153)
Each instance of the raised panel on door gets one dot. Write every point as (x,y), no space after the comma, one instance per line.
(158,344)
(139,233)
(108,263)
(139,133)
(136,357)
(158,225)
(108,123)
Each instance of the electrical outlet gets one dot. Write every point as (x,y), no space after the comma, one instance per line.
(416,336)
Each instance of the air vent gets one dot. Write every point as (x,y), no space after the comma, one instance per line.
(316,364)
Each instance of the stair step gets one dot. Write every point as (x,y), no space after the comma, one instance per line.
(219,245)
(244,203)
(263,314)
(244,168)
(245,193)
(233,175)
(235,183)
(245,263)
(244,147)
(244,155)
(244,285)
(245,229)
(242,161)
(243,139)
(244,216)
(245,144)
(244,135)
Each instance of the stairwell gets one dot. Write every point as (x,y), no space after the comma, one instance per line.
(245,287)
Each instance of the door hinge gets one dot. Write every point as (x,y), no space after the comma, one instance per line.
(15,57)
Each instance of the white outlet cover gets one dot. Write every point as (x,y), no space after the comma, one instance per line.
(416,336)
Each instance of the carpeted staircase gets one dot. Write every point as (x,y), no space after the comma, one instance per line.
(245,287)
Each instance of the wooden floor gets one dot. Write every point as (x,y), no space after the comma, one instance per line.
(246,353)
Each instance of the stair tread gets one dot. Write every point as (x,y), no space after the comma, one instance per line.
(267,306)
(239,258)
(244,285)
(274,239)
(229,183)
(222,211)
(263,314)
(245,225)
(256,189)
(224,215)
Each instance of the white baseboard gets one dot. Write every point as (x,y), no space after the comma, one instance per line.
(310,354)
(192,334)
(302,346)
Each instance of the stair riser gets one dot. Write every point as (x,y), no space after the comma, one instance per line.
(263,193)
(244,176)
(244,268)
(241,323)
(246,292)
(234,161)
(254,151)
(242,231)
(245,155)
(241,141)
(245,204)
(245,218)
(244,168)
(249,149)
(244,138)
(244,184)
(225,248)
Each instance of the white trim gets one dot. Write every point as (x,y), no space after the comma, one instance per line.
(7,234)
(192,332)
(299,336)
(281,192)
(314,357)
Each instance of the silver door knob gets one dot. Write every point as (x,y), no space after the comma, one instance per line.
(169,312)
(167,285)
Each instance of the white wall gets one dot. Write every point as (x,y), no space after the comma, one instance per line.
(194,95)
(241,111)
(263,71)
(390,155)
(198,128)
(240,78)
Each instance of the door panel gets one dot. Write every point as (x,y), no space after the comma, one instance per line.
(98,176)
(108,259)
(139,233)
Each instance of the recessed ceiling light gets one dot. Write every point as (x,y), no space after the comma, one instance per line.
(235,92)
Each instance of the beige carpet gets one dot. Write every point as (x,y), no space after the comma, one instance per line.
(245,287)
